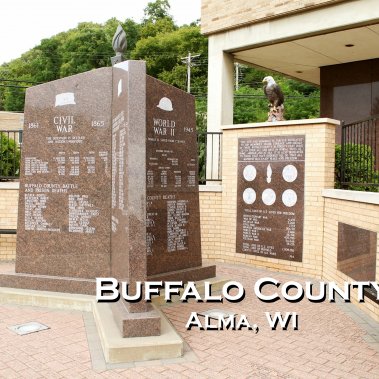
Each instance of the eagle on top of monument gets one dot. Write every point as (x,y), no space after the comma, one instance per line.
(275,96)
(273,92)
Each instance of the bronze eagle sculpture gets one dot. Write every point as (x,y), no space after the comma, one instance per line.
(273,92)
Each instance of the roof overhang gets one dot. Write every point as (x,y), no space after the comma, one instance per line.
(302,58)
(299,44)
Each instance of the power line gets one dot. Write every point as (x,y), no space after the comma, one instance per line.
(13,86)
(18,81)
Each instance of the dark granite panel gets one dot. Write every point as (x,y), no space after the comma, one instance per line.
(173,218)
(270,197)
(64,206)
(356,254)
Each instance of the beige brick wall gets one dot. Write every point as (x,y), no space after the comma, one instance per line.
(358,214)
(210,217)
(319,174)
(11,121)
(8,220)
(219,15)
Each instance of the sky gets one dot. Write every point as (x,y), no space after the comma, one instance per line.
(24,23)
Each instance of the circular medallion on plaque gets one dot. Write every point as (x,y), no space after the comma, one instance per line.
(268,196)
(289,198)
(249,173)
(289,173)
(249,196)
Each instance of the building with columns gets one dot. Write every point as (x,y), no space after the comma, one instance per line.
(331,43)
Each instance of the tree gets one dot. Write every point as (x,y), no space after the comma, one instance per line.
(159,27)
(14,99)
(156,10)
(163,54)
(85,48)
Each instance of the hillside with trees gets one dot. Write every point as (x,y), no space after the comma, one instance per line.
(163,45)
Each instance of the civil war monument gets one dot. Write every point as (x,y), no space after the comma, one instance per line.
(108,188)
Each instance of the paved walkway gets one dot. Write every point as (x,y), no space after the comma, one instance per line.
(333,341)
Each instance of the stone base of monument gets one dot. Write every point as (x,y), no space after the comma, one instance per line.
(149,323)
(117,349)
(129,324)
(142,324)
(9,278)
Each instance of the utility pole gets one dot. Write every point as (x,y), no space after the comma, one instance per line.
(188,61)
(237,75)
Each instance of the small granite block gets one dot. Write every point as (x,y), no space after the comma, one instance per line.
(136,324)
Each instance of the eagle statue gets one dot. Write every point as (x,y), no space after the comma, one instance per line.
(276,98)
(273,92)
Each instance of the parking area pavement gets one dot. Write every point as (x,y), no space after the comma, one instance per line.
(332,341)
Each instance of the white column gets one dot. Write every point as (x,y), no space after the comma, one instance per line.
(220,99)
(220,85)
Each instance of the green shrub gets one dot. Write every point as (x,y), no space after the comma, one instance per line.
(9,157)
(359,167)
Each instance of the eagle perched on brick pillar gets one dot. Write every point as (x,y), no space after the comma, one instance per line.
(273,92)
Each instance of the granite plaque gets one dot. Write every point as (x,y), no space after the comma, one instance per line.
(64,206)
(356,254)
(270,197)
(173,218)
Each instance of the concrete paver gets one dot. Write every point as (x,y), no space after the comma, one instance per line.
(329,342)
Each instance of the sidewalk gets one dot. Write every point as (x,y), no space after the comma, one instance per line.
(333,341)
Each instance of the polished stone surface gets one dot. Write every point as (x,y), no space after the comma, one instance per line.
(128,240)
(173,217)
(356,253)
(143,324)
(270,197)
(64,207)
(9,278)
(109,187)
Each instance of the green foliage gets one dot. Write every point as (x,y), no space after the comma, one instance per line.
(301,100)
(157,19)
(159,27)
(250,105)
(201,124)
(13,98)
(9,156)
(359,167)
(156,10)
(162,54)
(85,48)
